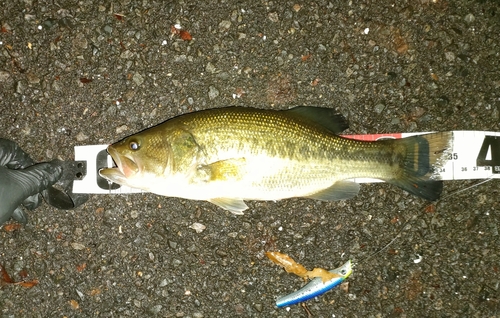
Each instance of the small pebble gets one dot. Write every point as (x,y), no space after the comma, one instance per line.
(379,108)
(121,129)
(213,92)
(192,248)
(156,309)
(138,79)
(32,78)
(239,309)
(80,294)
(273,16)
(127,54)
(450,56)
(225,24)
(4,75)
(198,227)
(210,68)
(258,307)
(469,18)
(176,262)
(81,137)
(78,246)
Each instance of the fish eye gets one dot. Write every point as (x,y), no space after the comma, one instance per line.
(133,145)
(343,272)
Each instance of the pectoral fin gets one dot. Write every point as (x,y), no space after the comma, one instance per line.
(236,206)
(340,190)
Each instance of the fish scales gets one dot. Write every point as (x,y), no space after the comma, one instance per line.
(227,155)
(271,146)
(224,137)
(280,146)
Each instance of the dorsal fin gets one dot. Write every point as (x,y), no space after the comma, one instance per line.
(325,117)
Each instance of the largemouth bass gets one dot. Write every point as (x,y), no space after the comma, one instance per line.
(229,155)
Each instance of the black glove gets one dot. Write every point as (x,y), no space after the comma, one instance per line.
(21,181)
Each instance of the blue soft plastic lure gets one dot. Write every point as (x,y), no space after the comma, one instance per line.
(316,287)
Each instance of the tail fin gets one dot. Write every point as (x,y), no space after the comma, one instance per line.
(423,155)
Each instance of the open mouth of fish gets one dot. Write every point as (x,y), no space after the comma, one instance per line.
(123,169)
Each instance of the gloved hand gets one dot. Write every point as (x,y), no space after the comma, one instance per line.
(21,181)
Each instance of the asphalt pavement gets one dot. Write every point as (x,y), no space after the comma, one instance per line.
(92,72)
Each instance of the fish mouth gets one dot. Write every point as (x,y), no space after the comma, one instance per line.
(125,167)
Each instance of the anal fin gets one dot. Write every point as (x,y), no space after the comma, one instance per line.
(340,190)
(235,206)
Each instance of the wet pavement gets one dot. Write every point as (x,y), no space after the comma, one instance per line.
(81,73)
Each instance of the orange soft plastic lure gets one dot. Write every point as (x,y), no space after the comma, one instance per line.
(293,267)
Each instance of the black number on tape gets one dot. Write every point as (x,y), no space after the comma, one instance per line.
(491,145)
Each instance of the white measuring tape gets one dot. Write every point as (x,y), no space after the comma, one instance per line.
(474,155)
